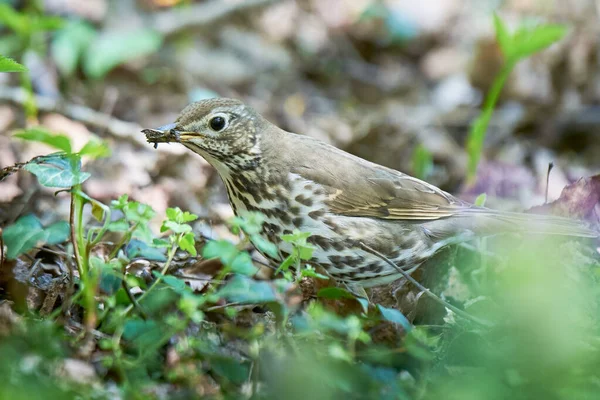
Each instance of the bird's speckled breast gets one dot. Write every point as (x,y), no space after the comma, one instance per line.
(296,203)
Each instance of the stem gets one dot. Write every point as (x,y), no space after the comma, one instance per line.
(126,237)
(479,127)
(81,249)
(164,270)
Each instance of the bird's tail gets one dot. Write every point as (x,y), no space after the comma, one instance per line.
(530,223)
(479,221)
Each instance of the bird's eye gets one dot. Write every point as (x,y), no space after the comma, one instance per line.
(217,123)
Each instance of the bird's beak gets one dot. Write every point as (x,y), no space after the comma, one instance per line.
(163,134)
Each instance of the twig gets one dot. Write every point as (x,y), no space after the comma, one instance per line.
(550,166)
(201,14)
(114,126)
(1,251)
(435,297)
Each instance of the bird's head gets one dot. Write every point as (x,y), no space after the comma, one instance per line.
(223,131)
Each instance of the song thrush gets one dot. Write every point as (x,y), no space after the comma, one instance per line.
(353,208)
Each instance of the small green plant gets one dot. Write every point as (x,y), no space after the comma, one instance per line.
(302,251)
(523,43)
(422,162)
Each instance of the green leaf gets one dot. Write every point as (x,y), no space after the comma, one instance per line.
(175,227)
(242,264)
(97,212)
(296,237)
(222,249)
(110,273)
(188,217)
(242,289)
(143,334)
(57,233)
(172,213)
(187,242)
(334,293)
(305,252)
(422,162)
(137,212)
(69,45)
(287,263)
(95,149)
(264,246)
(233,370)
(22,236)
(111,49)
(57,171)
(311,273)
(120,203)
(14,20)
(480,200)
(529,40)
(9,65)
(41,135)
(503,37)
(249,222)
(28,232)
(395,316)
(120,225)
(175,283)
(137,248)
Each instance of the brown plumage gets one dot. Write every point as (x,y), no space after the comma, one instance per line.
(348,204)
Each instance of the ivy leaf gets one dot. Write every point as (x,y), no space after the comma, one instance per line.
(221,249)
(137,248)
(242,264)
(28,232)
(393,315)
(242,289)
(58,171)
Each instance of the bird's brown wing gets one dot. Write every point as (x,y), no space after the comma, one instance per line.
(370,190)
(398,197)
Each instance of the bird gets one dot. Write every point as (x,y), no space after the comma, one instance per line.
(369,225)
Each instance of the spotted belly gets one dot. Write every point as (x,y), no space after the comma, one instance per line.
(339,240)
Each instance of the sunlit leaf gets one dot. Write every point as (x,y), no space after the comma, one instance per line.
(530,40)
(95,149)
(187,243)
(9,65)
(111,49)
(480,200)
(41,135)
